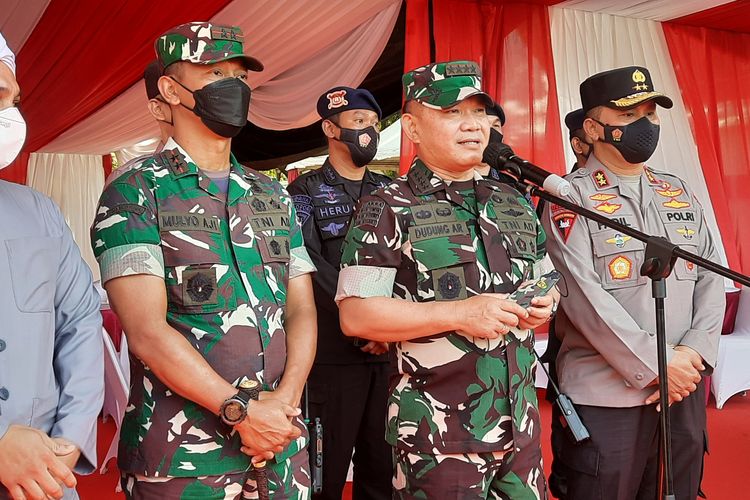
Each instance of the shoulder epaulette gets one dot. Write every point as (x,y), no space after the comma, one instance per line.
(172,159)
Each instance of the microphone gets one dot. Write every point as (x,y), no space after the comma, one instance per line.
(502,157)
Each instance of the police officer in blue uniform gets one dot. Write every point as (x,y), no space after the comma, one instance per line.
(348,384)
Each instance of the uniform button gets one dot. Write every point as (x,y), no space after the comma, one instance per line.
(639,376)
(4,393)
(651,334)
(2,345)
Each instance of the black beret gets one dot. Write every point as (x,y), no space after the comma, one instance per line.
(621,88)
(151,77)
(339,99)
(574,120)
(496,110)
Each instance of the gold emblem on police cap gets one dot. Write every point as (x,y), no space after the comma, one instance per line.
(639,78)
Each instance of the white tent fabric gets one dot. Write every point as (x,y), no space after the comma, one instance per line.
(142,148)
(74,182)
(585,43)
(341,43)
(656,10)
(389,147)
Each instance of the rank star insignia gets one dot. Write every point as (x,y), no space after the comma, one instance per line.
(667,192)
(640,80)
(619,240)
(620,268)
(601,178)
(608,208)
(676,204)
(651,178)
(686,232)
(602,197)
(337,99)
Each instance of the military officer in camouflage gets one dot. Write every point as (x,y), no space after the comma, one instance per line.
(426,265)
(205,265)
(607,364)
(348,384)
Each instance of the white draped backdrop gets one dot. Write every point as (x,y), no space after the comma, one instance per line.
(584,43)
(74,182)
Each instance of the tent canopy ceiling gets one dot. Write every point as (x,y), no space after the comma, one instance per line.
(273,148)
(73,72)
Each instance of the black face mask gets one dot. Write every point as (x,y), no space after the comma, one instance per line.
(362,144)
(636,141)
(222,105)
(496,137)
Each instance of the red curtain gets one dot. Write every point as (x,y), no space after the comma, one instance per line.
(84,53)
(16,171)
(731,16)
(713,68)
(416,53)
(511,42)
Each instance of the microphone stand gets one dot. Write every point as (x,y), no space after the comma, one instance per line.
(660,257)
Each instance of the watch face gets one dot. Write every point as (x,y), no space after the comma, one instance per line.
(233,412)
(248,384)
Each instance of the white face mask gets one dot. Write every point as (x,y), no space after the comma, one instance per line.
(12,135)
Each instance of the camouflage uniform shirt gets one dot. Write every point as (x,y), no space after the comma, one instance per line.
(225,267)
(421,239)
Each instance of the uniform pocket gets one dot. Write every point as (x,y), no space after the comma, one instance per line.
(194,289)
(275,254)
(33,270)
(331,229)
(685,235)
(618,259)
(435,246)
(440,260)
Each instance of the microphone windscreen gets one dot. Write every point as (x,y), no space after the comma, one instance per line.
(496,154)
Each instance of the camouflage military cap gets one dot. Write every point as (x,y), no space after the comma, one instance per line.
(445,84)
(203,43)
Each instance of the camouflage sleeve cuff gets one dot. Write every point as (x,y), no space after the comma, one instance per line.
(364,282)
(300,262)
(128,260)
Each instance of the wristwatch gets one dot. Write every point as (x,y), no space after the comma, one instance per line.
(234,410)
